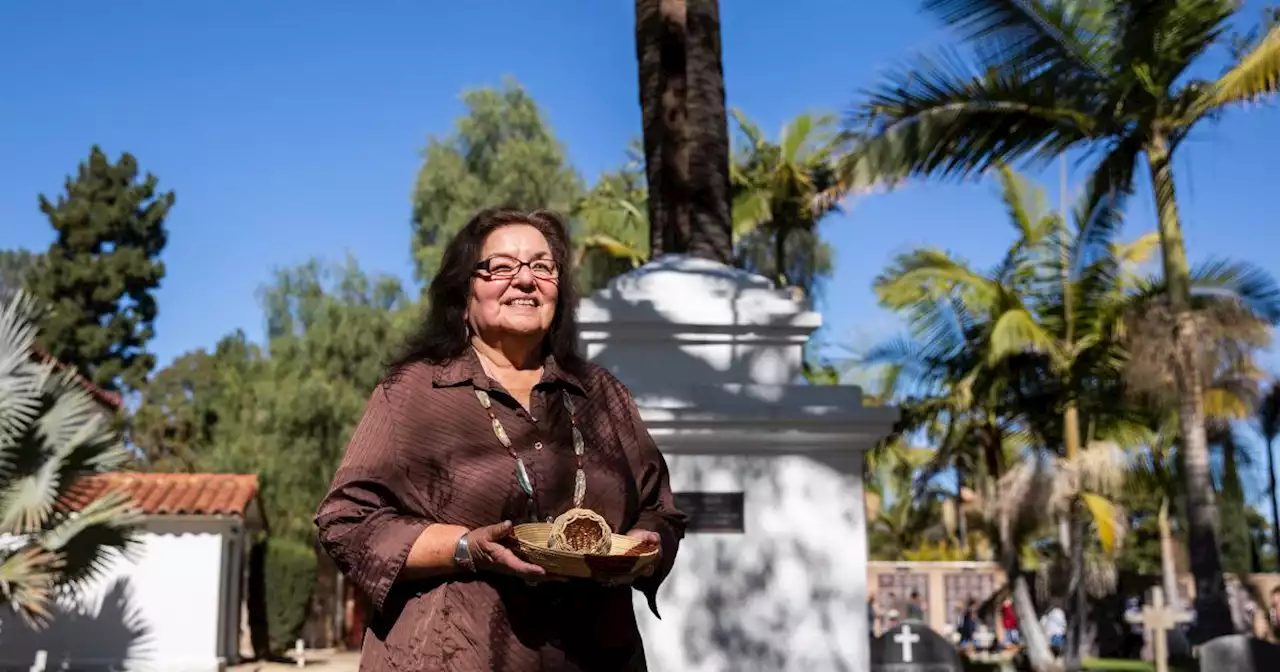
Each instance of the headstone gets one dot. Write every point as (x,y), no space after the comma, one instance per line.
(913,647)
(1158,619)
(42,659)
(1239,653)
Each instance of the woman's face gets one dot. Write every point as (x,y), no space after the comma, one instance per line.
(522,304)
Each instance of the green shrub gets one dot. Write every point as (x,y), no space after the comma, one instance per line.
(290,582)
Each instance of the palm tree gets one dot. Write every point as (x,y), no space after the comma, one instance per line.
(1047,320)
(1269,426)
(52,432)
(781,191)
(686,133)
(900,519)
(1109,78)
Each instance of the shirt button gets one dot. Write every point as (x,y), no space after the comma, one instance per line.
(537,446)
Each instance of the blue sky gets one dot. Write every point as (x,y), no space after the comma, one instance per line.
(292,130)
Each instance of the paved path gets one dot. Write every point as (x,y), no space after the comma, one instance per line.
(319,661)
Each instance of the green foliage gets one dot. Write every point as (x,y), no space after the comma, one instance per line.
(290,582)
(52,433)
(781,191)
(610,224)
(101,271)
(15,267)
(190,405)
(284,412)
(501,153)
(1237,546)
(1102,79)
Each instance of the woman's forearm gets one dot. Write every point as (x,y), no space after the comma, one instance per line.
(432,553)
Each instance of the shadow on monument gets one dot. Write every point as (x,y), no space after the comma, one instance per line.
(742,613)
(79,639)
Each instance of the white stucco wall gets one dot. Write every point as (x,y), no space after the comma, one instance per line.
(789,593)
(713,356)
(156,610)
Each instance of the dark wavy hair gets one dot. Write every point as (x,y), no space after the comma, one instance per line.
(443,336)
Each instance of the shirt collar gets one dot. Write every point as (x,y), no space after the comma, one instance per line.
(466,368)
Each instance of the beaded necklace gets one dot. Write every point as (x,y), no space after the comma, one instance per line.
(522,474)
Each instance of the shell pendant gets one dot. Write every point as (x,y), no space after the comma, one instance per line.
(579,488)
(522,477)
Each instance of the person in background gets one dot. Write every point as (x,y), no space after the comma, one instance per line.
(915,607)
(968,623)
(1134,636)
(1054,623)
(891,620)
(1009,621)
(873,616)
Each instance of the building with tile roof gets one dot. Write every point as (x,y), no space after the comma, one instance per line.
(176,601)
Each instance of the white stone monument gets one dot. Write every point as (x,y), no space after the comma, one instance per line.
(713,356)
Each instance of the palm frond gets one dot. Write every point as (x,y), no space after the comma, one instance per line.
(1242,281)
(938,117)
(51,433)
(27,581)
(1107,519)
(1035,34)
(91,539)
(1101,210)
(21,380)
(1254,77)
(1017,332)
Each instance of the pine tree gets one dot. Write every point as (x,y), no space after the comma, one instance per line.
(99,275)
(15,268)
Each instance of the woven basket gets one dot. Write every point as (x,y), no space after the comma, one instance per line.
(628,557)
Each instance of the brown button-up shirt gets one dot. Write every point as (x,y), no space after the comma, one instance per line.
(425,452)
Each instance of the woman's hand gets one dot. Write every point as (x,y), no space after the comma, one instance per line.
(645,537)
(490,555)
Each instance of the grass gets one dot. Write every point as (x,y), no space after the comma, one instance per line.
(1094,664)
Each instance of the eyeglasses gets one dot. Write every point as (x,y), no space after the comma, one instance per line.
(502,266)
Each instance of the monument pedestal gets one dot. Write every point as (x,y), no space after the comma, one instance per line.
(772,573)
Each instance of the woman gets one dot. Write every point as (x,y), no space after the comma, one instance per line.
(473,431)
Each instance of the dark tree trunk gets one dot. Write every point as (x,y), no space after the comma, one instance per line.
(1275,503)
(686,132)
(1078,605)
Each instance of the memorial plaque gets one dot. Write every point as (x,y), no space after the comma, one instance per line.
(912,647)
(713,512)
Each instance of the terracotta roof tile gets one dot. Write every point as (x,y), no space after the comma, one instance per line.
(112,400)
(172,494)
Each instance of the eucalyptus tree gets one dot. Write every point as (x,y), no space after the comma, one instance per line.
(1109,78)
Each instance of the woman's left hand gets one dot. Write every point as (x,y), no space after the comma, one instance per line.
(644,536)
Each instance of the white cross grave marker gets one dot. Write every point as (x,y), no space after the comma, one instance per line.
(906,638)
(1158,619)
